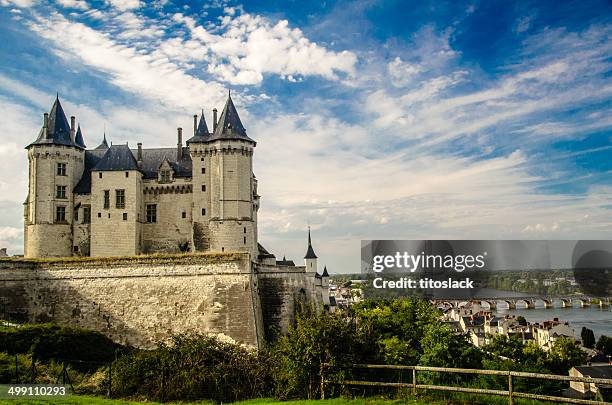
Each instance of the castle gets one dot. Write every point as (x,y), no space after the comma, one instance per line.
(117,201)
(199,197)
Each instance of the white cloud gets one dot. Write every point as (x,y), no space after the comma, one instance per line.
(144,74)
(402,73)
(18,3)
(252,46)
(123,5)
(78,4)
(523,24)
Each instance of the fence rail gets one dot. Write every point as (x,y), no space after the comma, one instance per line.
(510,392)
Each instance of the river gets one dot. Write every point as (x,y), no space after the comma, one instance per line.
(593,317)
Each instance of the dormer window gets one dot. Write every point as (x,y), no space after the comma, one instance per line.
(165,172)
(165,176)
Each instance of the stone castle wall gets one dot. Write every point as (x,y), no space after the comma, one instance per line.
(283,292)
(138,300)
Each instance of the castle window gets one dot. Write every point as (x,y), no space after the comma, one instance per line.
(244,239)
(106,198)
(60,192)
(125,216)
(86,215)
(61,169)
(76,249)
(203,187)
(203,170)
(127,174)
(119,198)
(184,214)
(75,217)
(99,215)
(60,214)
(164,176)
(203,211)
(151,213)
(100,175)
(244,230)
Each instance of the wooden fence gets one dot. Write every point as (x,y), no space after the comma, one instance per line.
(510,393)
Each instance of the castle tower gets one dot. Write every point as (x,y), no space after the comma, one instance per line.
(116,209)
(225,201)
(310,259)
(56,160)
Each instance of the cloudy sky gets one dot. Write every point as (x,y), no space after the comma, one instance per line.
(374,119)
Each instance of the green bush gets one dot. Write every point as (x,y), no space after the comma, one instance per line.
(192,367)
(48,341)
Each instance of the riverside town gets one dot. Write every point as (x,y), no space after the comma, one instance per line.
(339,202)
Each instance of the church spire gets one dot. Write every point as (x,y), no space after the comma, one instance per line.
(310,254)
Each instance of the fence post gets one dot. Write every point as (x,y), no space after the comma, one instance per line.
(510,397)
(322,381)
(414,381)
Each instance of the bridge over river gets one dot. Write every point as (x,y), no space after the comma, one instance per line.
(527,301)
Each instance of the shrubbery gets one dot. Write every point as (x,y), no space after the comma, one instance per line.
(196,367)
(193,367)
(52,342)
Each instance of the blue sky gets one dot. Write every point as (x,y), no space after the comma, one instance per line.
(374,119)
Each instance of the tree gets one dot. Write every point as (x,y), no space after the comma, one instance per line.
(588,337)
(316,339)
(604,345)
(521,320)
(565,354)
(442,348)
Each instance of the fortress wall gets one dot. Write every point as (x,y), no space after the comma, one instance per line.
(138,300)
(283,292)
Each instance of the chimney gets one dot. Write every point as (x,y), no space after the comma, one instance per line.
(179,145)
(46,123)
(214,119)
(72,127)
(139,155)
(195,123)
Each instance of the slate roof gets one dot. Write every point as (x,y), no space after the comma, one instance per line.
(104,144)
(595,371)
(285,262)
(202,133)
(263,253)
(229,125)
(117,158)
(153,158)
(325,273)
(58,128)
(78,139)
(92,157)
(310,254)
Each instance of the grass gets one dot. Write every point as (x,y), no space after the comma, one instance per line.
(449,399)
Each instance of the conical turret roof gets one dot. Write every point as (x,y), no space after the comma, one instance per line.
(310,254)
(78,139)
(229,125)
(202,133)
(57,131)
(325,273)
